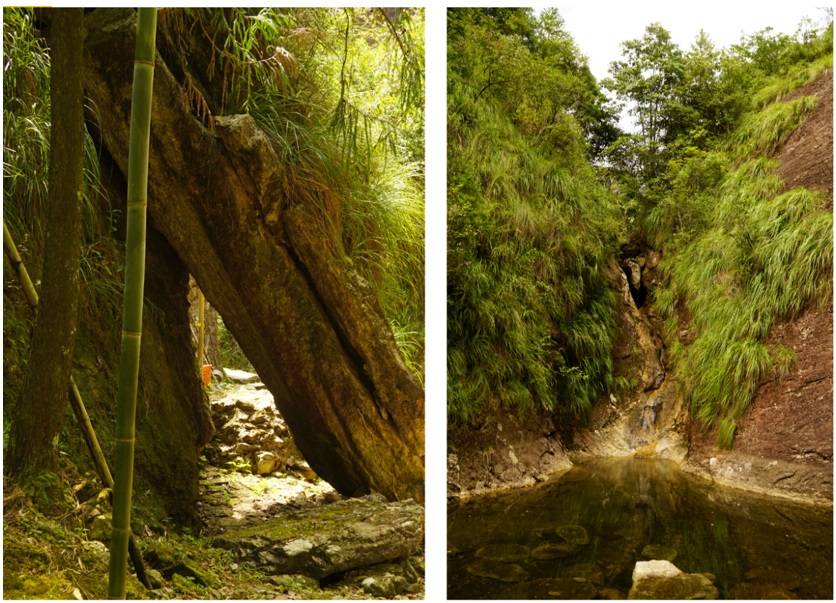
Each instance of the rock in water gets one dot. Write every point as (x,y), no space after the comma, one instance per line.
(570,588)
(655,568)
(661,579)
(503,552)
(497,570)
(572,534)
(553,550)
(682,586)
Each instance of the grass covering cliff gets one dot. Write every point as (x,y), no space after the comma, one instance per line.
(544,191)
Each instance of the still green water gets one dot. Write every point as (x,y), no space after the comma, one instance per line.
(579,537)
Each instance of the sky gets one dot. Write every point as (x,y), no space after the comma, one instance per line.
(599,27)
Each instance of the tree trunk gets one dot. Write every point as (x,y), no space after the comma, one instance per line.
(310,326)
(39,415)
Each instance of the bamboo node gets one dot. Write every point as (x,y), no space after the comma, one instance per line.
(143,62)
(135,334)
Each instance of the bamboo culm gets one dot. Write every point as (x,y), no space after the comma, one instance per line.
(137,200)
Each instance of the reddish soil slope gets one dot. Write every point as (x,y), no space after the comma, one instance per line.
(807,157)
(787,432)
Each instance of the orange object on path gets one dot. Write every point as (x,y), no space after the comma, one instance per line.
(206,374)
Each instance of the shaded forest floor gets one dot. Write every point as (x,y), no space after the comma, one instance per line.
(268,527)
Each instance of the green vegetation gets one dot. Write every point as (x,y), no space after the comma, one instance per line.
(530,314)
(543,190)
(742,252)
(340,95)
(763,132)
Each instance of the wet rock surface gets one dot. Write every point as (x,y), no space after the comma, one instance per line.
(681,586)
(504,452)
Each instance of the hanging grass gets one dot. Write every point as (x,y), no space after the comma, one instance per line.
(766,257)
(782,85)
(531,320)
(763,132)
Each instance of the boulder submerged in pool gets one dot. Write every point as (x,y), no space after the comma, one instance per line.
(571,588)
(553,550)
(572,534)
(661,579)
(503,552)
(496,570)
(585,572)
(551,588)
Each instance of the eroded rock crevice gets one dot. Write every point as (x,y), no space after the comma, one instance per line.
(648,419)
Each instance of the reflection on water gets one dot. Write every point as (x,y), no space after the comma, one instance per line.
(580,537)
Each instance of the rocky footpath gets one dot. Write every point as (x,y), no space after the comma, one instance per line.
(261,502)
(269,526)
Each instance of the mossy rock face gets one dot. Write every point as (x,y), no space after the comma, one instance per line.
(496,570)
(659,551)
(503,552)
(682,586)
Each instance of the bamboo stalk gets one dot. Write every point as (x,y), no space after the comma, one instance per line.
(19,268)
(137,200)
(201,331)
(76,402)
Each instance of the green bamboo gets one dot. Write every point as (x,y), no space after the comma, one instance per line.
(137,201)
(19,268)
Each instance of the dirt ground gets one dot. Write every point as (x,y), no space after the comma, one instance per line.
(791,417)
(807,156)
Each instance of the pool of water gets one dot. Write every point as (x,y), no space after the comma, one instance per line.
(579,537)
